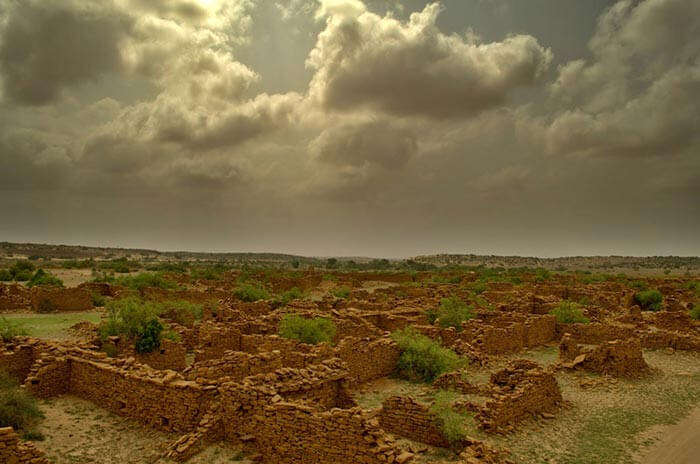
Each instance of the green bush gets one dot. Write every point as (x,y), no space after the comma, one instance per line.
(312,331)
(423,359)
(695,311)
(18,409)
(145,280)
(5,275)
(250,293)
(341,292)
(181,311)
(451,422)
(23,267)
(135,319)
(477,287)
(149,337)
(649,300)
(452,312)
(42,277)
(206,273)
(98,299)
(569,312)
(293,293)
(542,275)
(10,330)
(22,276)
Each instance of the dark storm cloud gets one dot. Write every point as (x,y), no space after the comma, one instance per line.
(333,125)
(374,142)
(364,60)
(46,46)
(640,94)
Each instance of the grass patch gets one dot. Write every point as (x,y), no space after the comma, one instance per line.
(569,312)
(51,326)
(10,330)
(423,359)
(312,331)
(18,409)
(294,293)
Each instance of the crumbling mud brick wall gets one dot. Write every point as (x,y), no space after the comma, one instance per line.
(234,366)
(290,433)
(620,358)
(14,451)
(170,355)
(405,417)
(50,376)
(368,360)
(665,339)
(17,360)
(98,288)
(674,321)
(156,398)
(14,297)
(596,332)
(215,339)
(60,299)
(520,391)
(456,381)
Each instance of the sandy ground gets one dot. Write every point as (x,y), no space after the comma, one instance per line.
(79,432)
(678,444)
(72,277)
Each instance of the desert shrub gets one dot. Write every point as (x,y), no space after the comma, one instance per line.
(149,337)
(477,287)
(206,273)
(695,312)
(250,293)
(181,311)
(423,359)
(103,277)
(446,279)
(639,285)
(649,299)
(293,293)
(341,292)
(45,306)
(452,312)
(5,275)
(22,266)
(451,422)
(312,331)
(22,276)
(431,314)
(41,277)
(171,335)
(10,330)
(329,277)
(569,312)
(98,299)
(135,319)
(144,280)
(18,409)
(542,275)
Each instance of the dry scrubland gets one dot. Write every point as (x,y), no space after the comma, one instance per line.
(211,363)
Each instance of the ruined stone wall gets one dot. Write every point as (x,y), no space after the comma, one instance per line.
(621,358)
(403,416)
(368,360)
(596,332)
(17,361)
(13,451)
(215,339)
(50,376)
(520,391)
(150,397)
(60,299)
(234,366)
(14,297)
(170,354)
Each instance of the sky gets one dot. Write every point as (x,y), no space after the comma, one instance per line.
(386,128)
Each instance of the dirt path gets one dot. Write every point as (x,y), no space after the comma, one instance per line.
(678,444)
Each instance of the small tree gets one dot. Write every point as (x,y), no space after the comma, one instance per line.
(250,293)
